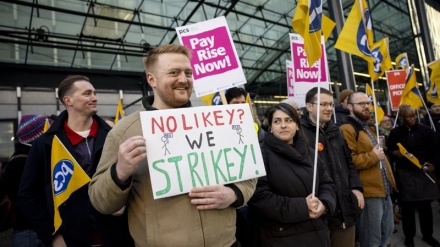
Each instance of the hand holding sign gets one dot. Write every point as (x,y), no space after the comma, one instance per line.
(212,197)
(199,147)
(130,153)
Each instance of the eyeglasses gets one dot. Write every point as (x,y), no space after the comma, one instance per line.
(331,105)
(362,104)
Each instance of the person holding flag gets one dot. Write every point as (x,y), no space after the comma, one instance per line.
(333,150)
(376,222)
(416,191)
(53,191)
(288,211)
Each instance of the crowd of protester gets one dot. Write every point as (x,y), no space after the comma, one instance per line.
(362,181)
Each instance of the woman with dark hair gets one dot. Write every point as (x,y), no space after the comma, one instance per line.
(283,204)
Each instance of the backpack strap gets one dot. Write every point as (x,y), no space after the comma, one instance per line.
(356,130)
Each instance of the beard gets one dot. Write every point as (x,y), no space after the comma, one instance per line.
(362,114)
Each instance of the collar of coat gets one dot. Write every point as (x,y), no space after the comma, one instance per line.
(297,153)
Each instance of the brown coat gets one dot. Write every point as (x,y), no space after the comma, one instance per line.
(171,221)
(366,161)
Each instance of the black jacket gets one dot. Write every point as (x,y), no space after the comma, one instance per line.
(337,156)
(420,141)
(279,203)
(341,115)
(11,181)
(35,194)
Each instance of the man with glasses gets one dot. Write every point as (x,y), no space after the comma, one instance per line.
(376,222)
(334,152)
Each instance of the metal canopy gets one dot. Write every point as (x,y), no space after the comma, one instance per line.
(114,35)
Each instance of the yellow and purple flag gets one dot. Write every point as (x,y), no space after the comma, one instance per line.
(212,99)
(410,94)
(382,58)
(307,22)
(402,61)
(67,177)
(119,112)
(375,106)
(356,36)
(434,83)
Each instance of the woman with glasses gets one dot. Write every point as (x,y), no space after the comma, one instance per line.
(283,205)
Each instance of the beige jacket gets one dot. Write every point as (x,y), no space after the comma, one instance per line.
(172,221)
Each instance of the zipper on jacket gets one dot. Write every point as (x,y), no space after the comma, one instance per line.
(88,149)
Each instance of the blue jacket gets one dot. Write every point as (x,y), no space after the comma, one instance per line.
(35,194)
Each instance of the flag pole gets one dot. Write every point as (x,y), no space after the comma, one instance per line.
(375,108)
(375,115)
(426,108)
(318,104)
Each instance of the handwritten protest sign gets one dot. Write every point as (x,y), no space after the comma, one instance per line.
(305,78)
(214,59)
(199,146)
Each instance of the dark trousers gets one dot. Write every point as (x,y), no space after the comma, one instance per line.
(408,210)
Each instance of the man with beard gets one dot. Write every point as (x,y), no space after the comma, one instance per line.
(334,152)
(416,190)
(376,222)
(205,216)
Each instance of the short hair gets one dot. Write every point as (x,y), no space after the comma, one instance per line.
(67,84)
(403,108)
(311,94)
(286,108)
(151,59)
(234,92)
(351,96)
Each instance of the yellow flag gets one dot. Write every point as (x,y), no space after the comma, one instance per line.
(46,125)
(119,112)
(376,107)
(410,94)
(356,36)
(307,22)
(409,155)
(402,61)
(327,26)
(67,177)
(382,58)
(434,84)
